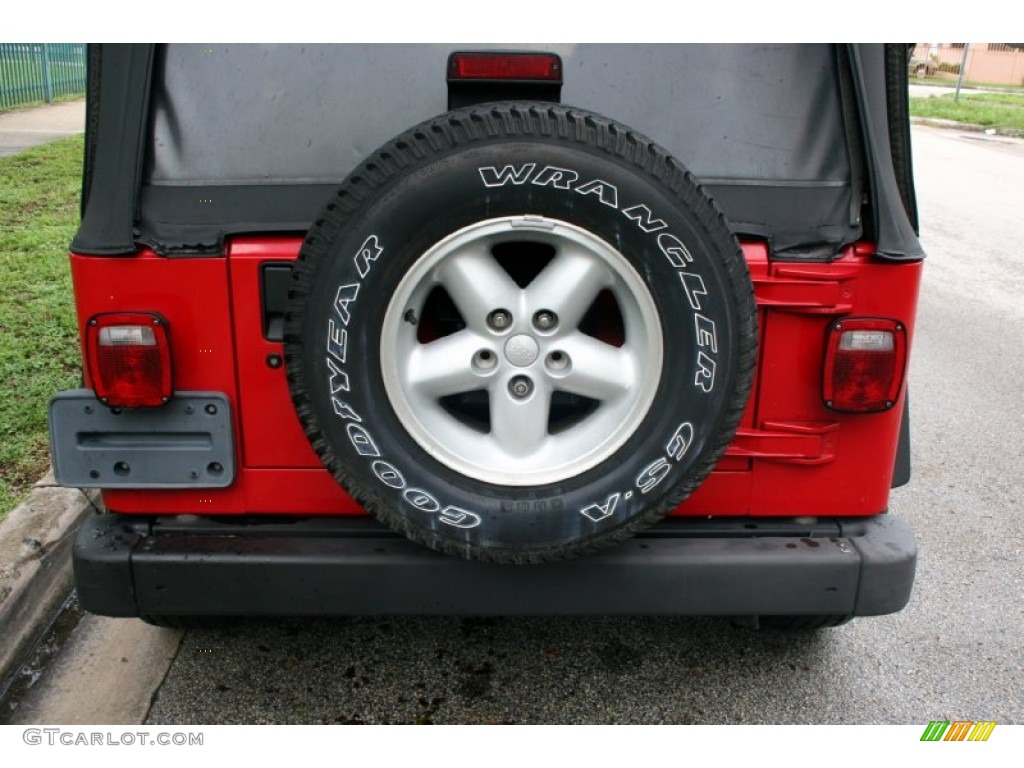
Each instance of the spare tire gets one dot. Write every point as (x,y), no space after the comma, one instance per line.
(520,332)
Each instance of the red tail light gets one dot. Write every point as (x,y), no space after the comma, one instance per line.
(505,66)
(129,359)
(864,364)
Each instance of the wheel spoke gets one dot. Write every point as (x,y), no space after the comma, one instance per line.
(479,400)
(520,427)
(568,286)
(444,367)
(478,285)
(597,370)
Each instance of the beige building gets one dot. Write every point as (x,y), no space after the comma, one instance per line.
(988,63)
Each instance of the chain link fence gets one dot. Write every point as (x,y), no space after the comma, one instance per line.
(35,72)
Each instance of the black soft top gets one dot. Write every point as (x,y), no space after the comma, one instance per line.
(189,144)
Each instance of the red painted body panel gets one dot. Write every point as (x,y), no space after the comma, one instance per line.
(274,437)
(792,455)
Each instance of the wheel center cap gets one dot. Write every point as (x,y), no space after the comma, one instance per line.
(521,350)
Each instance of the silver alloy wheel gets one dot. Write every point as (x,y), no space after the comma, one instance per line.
(522,346)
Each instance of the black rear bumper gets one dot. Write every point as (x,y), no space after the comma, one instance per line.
(171,566)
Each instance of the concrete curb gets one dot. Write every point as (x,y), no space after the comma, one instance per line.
(936,122)
(35,565)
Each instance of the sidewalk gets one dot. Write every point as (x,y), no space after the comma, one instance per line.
(24,128)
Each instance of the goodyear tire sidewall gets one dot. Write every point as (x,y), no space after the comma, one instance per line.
(685,258)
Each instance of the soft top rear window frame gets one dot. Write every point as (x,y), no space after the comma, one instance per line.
(120,213)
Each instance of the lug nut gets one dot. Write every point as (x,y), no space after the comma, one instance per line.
(520,387)
(545,320)
(499,319)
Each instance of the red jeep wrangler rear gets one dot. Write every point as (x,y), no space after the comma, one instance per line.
(569,365)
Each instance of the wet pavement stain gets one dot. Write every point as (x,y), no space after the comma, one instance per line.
(17,686)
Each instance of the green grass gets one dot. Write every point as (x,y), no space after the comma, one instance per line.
(39,355)
(950,82)
(994,110)
(33,104)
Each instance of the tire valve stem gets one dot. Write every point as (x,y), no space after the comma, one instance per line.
(520,387)
(410,317)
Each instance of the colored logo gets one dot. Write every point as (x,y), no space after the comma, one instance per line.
(958,730)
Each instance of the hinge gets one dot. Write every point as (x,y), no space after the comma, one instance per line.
(798,289)
(793,442)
